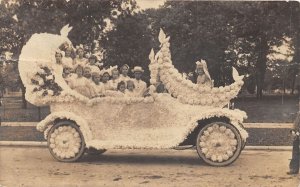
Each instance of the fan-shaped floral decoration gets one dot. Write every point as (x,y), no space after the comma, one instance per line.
(185,90)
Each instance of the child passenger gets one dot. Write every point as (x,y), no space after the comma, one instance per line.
(105,79)
(124,73)
(87,72)
(67,59)
(113,83)
(58,68)
(92,64)
(129,92)
(99,87)
(121,87)
(80,60)
(81,84)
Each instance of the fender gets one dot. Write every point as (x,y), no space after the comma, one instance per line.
(233,117)
(48,122)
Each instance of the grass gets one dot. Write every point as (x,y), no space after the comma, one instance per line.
(271,109)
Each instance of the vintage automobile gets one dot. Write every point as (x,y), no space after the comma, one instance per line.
(189,114)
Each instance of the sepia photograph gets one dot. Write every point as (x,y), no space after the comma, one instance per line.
(149,93)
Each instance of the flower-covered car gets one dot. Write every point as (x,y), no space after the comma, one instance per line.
(189,114)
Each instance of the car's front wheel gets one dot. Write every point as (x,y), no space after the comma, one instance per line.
(66,142)
(219,144)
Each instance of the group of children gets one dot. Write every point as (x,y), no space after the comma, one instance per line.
(89,79)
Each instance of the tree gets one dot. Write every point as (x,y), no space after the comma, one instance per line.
(295,35)
(129,42)
(198,30)
(263,23)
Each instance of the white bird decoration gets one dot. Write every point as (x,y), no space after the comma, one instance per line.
(65,30)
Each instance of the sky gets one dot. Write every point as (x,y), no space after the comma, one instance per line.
(144,4)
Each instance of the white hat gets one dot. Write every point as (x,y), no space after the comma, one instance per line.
(137,68)
(201,63)
(105,71)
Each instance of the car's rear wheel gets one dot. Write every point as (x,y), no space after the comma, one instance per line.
(66,142)
(219,144)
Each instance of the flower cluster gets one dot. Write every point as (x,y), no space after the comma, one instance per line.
(44,83)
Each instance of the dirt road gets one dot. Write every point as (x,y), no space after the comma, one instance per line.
(27,166)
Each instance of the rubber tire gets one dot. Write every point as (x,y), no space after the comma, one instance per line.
(82,147)
(236,154)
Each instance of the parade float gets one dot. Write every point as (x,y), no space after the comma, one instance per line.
(189,114)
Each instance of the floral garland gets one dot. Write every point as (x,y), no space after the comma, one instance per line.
(186,91)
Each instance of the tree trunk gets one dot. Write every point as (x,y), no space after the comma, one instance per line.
(293,82)
(261,65)
(24,105)
(296,60)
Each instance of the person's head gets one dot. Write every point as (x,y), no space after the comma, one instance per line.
(130,85)
(92,59)
(87,72)
(64,46)
(115,74)
(199,70)
(66,71)
(105,77)
(121,86)
(79,71)
(200,67)
(96,77)
(58,57)
(80,52)
(69,52)
(125,70)
(138,72)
